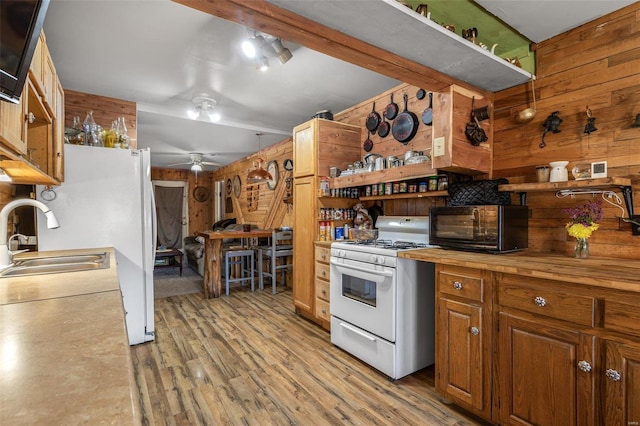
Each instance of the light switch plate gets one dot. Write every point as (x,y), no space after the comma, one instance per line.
(438,147)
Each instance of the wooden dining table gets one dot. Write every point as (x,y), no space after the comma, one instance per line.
(214,257)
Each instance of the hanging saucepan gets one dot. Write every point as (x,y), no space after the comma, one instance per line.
(384,128)
(427,114)
(391,110)
(373,119)
(405,125)
(367,145)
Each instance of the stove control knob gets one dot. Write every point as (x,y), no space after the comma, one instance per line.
(380,260)
(343,253)
(374,258)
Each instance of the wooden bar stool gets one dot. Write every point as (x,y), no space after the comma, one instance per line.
(244,258)
(278,254)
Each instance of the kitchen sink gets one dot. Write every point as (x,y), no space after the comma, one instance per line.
(57,264)
(61,260)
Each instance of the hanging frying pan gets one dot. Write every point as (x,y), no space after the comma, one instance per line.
(373,119)
(391,110)
(367,145)
(420,94)
(384,128)
(427,115)
(405,125)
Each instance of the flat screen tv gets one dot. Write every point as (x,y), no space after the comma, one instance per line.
(20,25)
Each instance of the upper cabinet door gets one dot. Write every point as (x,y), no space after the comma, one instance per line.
(12,128)
(304,150)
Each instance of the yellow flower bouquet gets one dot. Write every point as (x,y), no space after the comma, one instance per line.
(584,219)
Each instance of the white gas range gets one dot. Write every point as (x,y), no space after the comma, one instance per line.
(383,306)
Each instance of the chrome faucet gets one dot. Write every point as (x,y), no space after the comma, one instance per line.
(5,254)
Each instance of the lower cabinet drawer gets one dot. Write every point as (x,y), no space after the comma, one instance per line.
(322,310)
(622,316)
(322,289)
(461,282)
(547,298)
(322,270)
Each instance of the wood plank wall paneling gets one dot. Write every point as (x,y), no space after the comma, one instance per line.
(200,213)
(105,110)
(596,65)
(270,211)
(422,141)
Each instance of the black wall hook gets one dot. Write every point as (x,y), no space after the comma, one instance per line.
(551,124)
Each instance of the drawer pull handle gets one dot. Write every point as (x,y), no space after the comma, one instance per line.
(474,331)
(539,301)
(613,375)
(324,291)
(324,256)
(324,311)
(457,285)
(324,273)
(584,366)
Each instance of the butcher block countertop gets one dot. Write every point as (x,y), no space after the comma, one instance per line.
(65,353)
(604,272)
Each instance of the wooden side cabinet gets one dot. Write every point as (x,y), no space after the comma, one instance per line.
(620,375)
(463,337)
(304,224)
(547,353)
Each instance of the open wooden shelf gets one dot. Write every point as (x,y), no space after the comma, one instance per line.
(406,172)
(406,195)
(622,183)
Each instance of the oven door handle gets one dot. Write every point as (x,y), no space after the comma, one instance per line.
(377,277)
(358,332)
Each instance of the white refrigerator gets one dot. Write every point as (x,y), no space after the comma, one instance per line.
(106,200)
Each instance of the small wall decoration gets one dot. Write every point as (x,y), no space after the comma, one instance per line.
(253,195)
(228,205)
(599,170)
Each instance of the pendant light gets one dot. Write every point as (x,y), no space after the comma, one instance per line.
(259,174)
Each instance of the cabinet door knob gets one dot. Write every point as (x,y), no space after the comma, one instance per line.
(539,301)
(457,285)
(324,273)
(324,311)
(474,331)
(323,256)
(613,375)
(584,366)
(30,117)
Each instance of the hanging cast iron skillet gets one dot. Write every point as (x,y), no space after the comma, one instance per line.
(384,128)
(391,110)
(405,125)
(420,94)
(373,119)
(367,145)
(427,115)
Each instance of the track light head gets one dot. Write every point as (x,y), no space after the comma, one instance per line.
(282,52)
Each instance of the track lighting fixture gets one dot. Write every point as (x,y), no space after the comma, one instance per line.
(253,45)
(253,48)
(262,63)
(283,53)
(203,107)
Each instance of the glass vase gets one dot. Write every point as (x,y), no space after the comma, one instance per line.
(581,250)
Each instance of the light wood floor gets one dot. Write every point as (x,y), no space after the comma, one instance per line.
(249,359)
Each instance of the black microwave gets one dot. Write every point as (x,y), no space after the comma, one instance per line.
(490,228)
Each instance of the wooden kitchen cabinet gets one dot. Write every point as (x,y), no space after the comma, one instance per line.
(620,376)
(304,201)
(547,355)
(322,268)
(317,145)
(463,337)
(12,127)
(320,144)
(32,133)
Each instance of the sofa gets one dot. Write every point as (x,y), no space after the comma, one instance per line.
(194,245)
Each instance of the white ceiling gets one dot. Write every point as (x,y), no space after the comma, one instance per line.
(160,55)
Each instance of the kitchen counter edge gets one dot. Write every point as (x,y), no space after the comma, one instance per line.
(603,272)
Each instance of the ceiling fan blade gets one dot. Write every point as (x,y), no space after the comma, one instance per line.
(209,163)
(180,164)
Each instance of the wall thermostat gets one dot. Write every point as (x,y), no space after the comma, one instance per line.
(599,170)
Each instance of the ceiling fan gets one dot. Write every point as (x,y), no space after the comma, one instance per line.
(195,159)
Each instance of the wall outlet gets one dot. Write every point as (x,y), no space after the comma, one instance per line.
(438,147)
